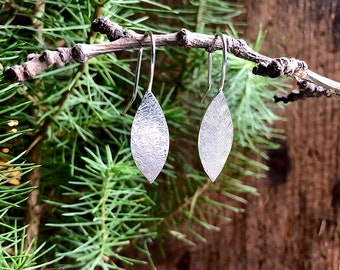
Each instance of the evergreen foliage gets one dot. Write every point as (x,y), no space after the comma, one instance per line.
(98,202)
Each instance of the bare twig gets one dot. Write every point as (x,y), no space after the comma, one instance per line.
(122,39)
(306,90)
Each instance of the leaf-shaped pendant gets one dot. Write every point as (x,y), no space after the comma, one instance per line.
(149,137)
(215,137)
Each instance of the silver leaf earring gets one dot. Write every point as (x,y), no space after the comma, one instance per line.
(216,132)
(149,131)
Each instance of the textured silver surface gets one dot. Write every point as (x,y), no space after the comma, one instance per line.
(215,137)
(149,137)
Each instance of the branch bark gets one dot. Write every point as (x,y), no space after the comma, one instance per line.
(34,208)
(310,83)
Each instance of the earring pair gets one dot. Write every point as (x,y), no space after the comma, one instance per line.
(150,133)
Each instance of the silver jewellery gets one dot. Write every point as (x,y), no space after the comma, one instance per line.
(216,132)
(135,89)
(150,133)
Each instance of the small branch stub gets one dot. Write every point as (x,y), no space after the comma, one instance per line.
(306,90)
(112,30)
(37,63)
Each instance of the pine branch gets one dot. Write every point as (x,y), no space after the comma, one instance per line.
(35,209)
(311,84)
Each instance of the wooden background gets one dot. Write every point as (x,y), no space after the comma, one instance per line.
(293,223)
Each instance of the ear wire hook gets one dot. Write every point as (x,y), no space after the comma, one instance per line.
(153,58)
(152,71)
(135,89)
(224,62)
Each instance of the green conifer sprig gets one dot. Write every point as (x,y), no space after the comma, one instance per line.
(99,205)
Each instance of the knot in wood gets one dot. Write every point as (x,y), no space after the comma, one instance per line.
(101,24)
(282,66)
(302,64)
(303,84)
(11,74)
(242,43)
(47,57)
(112,30)
(32,56)
(114,33)
(271,69)
(65,56)
(30,71)
(182,38)
(78,53)
(238,46)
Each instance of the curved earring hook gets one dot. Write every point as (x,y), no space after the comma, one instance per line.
(224,62)
(153,58)
(135,89)
(152,71)
(224,67)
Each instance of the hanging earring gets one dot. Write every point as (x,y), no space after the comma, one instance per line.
(135,89)
(216,131)
(149,131)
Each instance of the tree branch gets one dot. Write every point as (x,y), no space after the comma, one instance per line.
(311,84)
(34,208)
